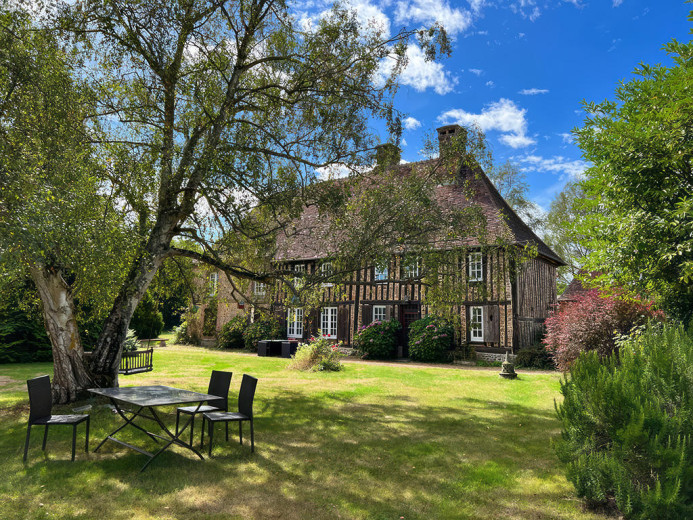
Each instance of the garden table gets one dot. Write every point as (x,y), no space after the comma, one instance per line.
(148,398)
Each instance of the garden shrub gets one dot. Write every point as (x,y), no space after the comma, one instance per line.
(591,323)
(231,334)
(190,330)
(147,321)
(535,356)
(130,344)
(378,340)
(319,354)
(23,339)
(430,339)
(209,325)
(626,425)
(265,326)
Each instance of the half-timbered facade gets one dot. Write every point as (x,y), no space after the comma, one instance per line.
(501,303)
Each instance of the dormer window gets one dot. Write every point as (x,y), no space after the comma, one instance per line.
(326,272)
(412,268)
(475,263)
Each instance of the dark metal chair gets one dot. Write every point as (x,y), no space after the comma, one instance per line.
(245,413)
(219,384)
(40,407)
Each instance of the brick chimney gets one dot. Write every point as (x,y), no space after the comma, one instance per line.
(387,155)
(451,135)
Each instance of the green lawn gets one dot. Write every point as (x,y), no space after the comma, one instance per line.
(373,441)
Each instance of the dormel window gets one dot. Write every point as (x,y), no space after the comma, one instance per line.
(475,262)
(298,279)
(412,268)
(328,322)
(213,283)
(326,272)
(259,289)
(378,313)
(380,274)
(476,324)
(294,323)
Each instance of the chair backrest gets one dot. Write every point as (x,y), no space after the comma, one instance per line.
(40,397)
(219,385)
(246,395)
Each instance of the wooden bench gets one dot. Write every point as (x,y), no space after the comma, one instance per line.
(136,362)
(152,342)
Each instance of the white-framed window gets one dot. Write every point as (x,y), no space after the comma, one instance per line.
(294,323)
(213,283)
(328,322)
(379,313)
(475,261)
(476,324)
(380,274)
(326,271)
(259,289)
(299,268)
(412,268)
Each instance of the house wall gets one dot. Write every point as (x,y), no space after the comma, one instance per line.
(534,296)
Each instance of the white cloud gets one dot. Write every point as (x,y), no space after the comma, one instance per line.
(567,137)
(503,115)
(427,12)
(568,169)
(421,74)
(616,3)
(477,72)
(411,123)
(490,84)
(533,91)
(368,14)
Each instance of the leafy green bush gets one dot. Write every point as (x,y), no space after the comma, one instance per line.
(378,340)
(535,356)
(190,330)
(22,339)
(318,354)
(627,421)
(130,344)
(147,321)
(430,339)
(265,326)
(231,334)
(209,327)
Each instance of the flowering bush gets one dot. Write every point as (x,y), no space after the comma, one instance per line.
(591,323)
(265,326)
(317,355)
(378,340)
(430,339)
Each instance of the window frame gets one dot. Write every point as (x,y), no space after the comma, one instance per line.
(331,314)
(475,267)
(214,283)
(472,337)
(294,323)
(411,268)
(326,270)
(380,274)
(299,268)
(259,289)
(376,309)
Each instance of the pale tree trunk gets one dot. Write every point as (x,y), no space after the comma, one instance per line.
(106,356)
(70,376)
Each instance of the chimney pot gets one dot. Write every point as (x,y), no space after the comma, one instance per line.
(447,133)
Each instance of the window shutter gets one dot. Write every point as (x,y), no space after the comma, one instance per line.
(342,322)
(388,312)
(492,323)
(366,314)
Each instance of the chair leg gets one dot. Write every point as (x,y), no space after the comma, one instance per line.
(192,428)
(26,444)
(74,440)
(252,437)
(177,421)
(45,438)
(211,436)
(240,432)
(86,442)
(202,436)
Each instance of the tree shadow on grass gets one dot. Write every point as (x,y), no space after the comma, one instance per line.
(326,456)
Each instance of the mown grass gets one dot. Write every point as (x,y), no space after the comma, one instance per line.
(370,442)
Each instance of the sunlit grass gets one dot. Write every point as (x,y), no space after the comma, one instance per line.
(373,441)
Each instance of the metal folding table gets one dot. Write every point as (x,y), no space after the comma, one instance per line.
(148,398)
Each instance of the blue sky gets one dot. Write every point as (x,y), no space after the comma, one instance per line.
(521,68)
